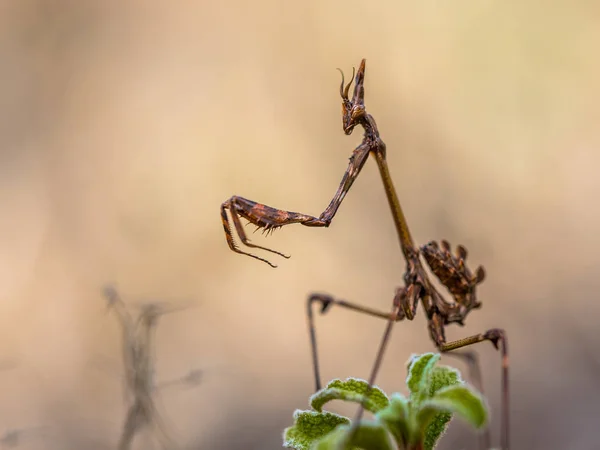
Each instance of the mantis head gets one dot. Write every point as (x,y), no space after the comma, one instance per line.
(353,110)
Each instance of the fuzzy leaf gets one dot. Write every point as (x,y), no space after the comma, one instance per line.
(309,426)
(431,422)
(369,436)
(459,399)
(419,367)
(441,377)
(352,389)
(395,418)
(432,426)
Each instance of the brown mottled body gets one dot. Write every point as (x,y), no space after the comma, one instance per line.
(450,269)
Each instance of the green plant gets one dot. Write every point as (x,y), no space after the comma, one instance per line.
(414,423)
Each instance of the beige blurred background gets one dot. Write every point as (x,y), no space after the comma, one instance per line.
(125,125)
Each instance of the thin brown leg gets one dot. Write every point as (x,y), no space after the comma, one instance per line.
(404,306)
(326,302)
(402,302)
(393,317)
(378,360)
(474,368)
(498,338)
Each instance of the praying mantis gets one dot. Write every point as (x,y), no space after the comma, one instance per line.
(449,267)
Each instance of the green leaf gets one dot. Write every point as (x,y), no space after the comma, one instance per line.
(425,379)
(459,399)
(310,426)
(441,377)
(395,418)
(419,367)
(368,436)
(352,389)
(431,424)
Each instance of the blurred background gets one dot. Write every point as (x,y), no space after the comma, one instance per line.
(125,125)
